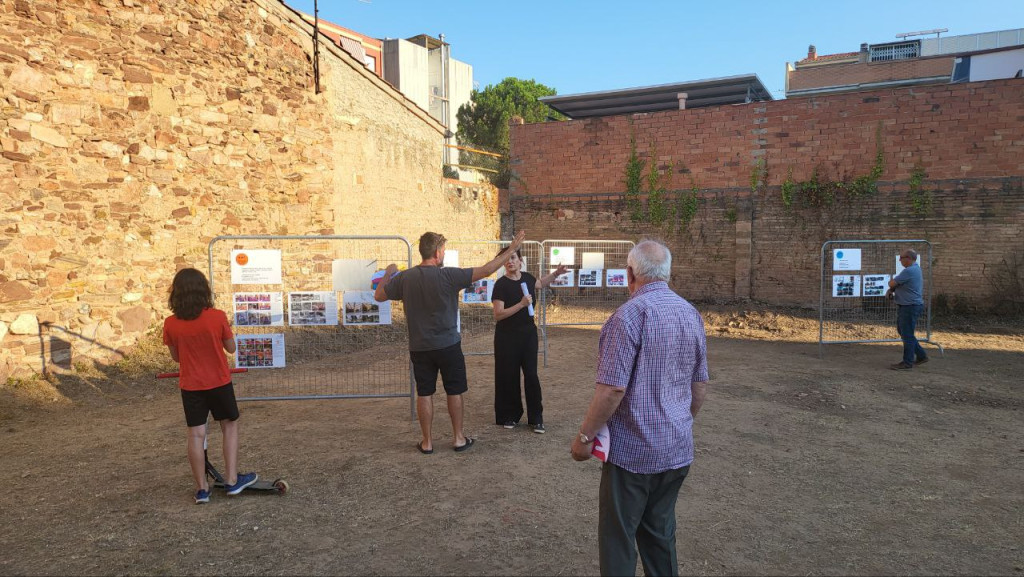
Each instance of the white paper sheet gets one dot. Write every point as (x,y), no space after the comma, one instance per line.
(259,351)
(351,274)
(562,255)
(845,285)
(313,308)
(258,309)
(361,309)
(593,260)
(590,277)
(846,259)
(479,292)
(875,285)
(255,267)
(616,277)
(563,280)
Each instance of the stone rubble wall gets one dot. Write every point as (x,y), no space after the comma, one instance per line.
(133,132)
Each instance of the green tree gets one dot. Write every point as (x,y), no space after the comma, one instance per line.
(483,121)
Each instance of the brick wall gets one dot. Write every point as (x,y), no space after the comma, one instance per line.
(133,132)
(849,73)
(744,241)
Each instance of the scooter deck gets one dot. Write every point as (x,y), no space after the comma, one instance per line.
(278,485)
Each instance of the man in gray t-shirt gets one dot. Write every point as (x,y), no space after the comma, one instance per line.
(907,289)
(430,292)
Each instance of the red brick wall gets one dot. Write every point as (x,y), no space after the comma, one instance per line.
(968,139)
(842,74)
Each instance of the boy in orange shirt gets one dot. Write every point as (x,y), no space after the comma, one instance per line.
(195,335)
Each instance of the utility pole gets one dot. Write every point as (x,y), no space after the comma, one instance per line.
(316,46)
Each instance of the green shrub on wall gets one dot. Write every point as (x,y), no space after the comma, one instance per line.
(634,180)
(686,205)
(658,208)
(920,199)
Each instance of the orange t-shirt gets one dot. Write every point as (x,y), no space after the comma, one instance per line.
(200,344)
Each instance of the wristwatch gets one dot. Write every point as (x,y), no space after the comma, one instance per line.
(585,439)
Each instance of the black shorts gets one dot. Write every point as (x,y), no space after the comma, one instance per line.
(451,363)
(219,401)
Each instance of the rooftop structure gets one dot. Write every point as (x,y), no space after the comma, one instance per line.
(676,96)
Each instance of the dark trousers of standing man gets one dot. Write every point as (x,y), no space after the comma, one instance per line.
(640,508)
(906,324)
(515,350)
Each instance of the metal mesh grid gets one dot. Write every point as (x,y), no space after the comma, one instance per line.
(476,320)
(328,361)
(576,305)
(867,316)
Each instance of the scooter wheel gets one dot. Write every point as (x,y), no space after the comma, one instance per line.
(281,485)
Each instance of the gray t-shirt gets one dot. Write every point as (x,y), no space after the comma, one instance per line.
(431,297)
(909,286)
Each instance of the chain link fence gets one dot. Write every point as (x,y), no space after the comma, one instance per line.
(855,276)
(303,306)
(307,326)
(593,287)
(476,314)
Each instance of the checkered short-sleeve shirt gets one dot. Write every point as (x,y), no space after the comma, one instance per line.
(654,346)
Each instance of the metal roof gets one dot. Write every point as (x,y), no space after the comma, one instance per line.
(712,92)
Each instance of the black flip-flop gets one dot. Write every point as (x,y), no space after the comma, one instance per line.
(469,443)
(424,451)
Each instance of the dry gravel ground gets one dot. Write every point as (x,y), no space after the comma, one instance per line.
(834,466)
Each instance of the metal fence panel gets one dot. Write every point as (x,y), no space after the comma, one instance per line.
(476,319)
(322,359)
(855,275)
(595,301)
(592,303)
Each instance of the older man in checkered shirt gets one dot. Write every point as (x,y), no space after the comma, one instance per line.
(651,381)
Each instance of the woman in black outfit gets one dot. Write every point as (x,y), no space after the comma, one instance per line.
(516,345)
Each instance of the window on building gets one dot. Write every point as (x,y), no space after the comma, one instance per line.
(370,62)
(895,51)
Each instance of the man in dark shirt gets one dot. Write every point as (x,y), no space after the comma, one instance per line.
(430,292)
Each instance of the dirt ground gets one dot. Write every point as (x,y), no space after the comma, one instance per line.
(810,466)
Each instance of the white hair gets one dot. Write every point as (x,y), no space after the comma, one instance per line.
(650,260)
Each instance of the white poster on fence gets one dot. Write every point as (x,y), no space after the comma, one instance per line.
(563,280)
(360,308)
(593,260)
(875,285)
(259,309)
(562,255)
(616,277)
(350,274)
(590,277)
(846,285)
(479,292)
(259,351)
(255,267)
(315,308)
(846,259)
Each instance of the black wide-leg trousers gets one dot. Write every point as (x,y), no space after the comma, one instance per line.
(515,351)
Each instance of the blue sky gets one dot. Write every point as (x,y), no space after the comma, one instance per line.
(586,46)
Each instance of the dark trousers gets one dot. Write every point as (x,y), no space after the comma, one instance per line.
(515,350)
(641,509)
(906,324)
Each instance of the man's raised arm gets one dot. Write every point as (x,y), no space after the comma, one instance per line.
(378,294)
(492,267)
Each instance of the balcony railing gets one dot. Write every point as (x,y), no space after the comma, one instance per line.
(895,51)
